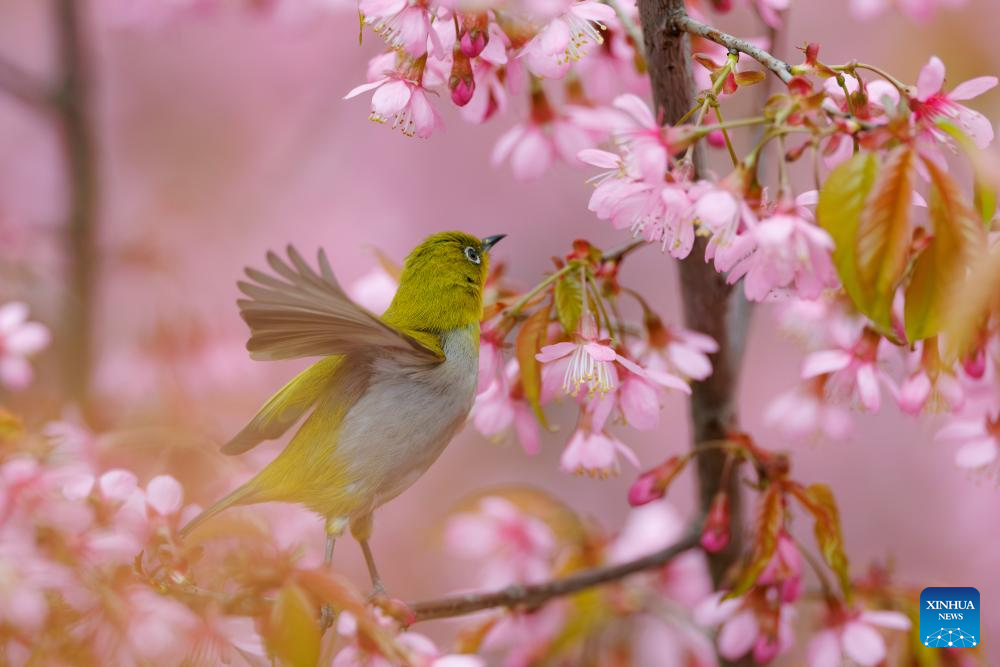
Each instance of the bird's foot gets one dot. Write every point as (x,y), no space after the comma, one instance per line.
(378,591)
(326,617)
(393,607)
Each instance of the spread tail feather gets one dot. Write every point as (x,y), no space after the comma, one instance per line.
(241,496)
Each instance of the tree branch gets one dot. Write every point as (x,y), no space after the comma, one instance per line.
(681,22)
(533,596)
(708,304)
(74,109)
(22,85)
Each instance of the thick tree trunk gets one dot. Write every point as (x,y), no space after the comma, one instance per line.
(74,110)
(710,305)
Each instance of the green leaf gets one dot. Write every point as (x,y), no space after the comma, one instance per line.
(819,501)
(292,631)
(882,245)
(770,520)
(940,270)
(569,302)
(530,339)
(841,201)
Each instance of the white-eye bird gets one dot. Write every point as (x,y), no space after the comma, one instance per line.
(387,394)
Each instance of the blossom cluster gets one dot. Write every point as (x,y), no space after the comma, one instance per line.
(93,571)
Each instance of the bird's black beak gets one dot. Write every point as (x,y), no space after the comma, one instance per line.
(491,241)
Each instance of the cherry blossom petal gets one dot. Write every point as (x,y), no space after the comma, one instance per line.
(973,88)
(930,79)
(863,644)
(164,494)
(826,361)
(555,351)
(738,635)
(976,454)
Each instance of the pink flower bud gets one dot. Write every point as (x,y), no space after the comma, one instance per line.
(766,649)
(473,43)
(716,139)
(652,484)
(461,81)
(722,6)
(975,364)
(715,534)
(473,34)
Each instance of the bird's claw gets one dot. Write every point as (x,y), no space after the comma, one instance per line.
(393,607)
(326,617)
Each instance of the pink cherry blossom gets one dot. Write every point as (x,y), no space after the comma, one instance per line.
(500,406)
(401,23)
(979,439)
(853,369)
(566,38)
(932,102)
(532,146)
(784,251)
(785,570)
(855,636)
(19,340)
(678,351)
(513,546)
(595,453)
(740,629)
(804,413)
(401,97)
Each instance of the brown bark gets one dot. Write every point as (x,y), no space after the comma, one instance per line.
(74,110)
(710,305)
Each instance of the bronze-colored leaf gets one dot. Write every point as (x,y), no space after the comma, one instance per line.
(939,271)
(770,520)
(971,305)
(750,77)
(530,339)
(819,501)
(882,245)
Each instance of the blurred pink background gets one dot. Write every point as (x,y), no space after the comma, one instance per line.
(225,135)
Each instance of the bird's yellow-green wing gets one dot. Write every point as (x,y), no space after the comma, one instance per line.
(286,407)
(298,312)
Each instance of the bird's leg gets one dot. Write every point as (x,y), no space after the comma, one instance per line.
(334,529)
(328,559)
(378,590)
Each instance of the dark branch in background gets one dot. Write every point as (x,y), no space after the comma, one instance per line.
(23,86)
(533,596)
(678,21)
(708,303)
(73,106)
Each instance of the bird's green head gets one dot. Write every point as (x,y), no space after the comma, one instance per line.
(442,283)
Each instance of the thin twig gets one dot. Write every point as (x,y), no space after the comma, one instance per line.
(22,85)
(684,23)
(531,597)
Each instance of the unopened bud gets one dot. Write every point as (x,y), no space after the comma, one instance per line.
(474,34)
(715,534)
(722,6)
(461,82)
(652,484)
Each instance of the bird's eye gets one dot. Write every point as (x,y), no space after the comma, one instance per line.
(472,254)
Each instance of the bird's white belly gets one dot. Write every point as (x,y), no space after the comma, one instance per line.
(404,421)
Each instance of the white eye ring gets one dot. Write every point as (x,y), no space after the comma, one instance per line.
(472,255)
